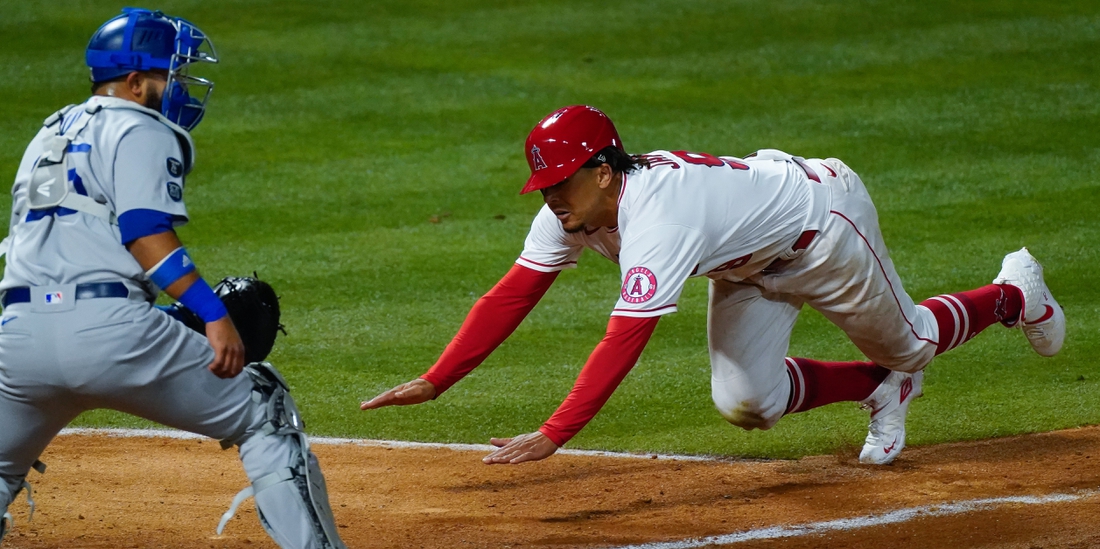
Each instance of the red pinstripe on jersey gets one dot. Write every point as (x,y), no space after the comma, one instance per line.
(548,265)
(653,310)
(882,269)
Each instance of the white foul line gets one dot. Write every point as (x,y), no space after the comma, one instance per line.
(184,435)
(893,517)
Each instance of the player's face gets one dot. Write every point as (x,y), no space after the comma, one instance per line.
(585,200)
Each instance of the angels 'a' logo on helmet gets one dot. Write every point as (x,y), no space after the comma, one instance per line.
(536,158)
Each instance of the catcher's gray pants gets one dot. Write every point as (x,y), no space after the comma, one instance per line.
(125,355)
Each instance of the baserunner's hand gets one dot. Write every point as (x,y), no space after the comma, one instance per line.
(413,392)
(529,447)
(228,348)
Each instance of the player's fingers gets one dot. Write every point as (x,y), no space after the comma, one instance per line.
(522,457)
(384,399)
(231,362)
(218,367)
(413,392)
(236,363)
(388,398)
(225,367)
(215,365)
(228,360)
(497,457)
(530,447)
(533,452)
(508,449)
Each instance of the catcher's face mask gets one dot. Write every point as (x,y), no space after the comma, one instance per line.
(186,95)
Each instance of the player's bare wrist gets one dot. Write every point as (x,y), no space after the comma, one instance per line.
(557,439)
(434,386)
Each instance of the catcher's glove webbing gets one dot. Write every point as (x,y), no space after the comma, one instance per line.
(254,309)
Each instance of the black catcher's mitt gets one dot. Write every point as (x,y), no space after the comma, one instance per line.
(254,309)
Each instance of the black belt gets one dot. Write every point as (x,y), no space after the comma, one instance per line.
(90,290)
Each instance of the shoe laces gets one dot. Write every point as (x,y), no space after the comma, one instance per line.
(1036,331)
(1030,283)
(888,424)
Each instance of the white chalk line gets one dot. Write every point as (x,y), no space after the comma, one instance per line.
(184,435)
(840,525)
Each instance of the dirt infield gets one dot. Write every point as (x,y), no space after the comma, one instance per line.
(107,492)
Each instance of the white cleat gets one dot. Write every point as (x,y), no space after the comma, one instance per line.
(889,405)
(5,523)
(1043,321)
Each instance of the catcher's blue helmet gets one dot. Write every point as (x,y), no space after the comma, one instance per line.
(143,40)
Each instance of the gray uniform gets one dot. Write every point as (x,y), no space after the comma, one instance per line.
(77,345)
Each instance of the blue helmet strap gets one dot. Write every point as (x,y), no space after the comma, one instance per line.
(128,34)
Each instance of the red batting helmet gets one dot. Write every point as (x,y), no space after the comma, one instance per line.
(565,140)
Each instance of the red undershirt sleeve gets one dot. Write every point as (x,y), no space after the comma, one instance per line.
(492,319)
(606,367)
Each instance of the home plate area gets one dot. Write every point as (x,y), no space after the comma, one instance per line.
(114,489)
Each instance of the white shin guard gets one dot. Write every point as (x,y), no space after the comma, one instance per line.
(6,498)
(7,495)
(291,498)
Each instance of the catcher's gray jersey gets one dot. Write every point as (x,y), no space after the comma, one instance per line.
(125,158)
(79,330)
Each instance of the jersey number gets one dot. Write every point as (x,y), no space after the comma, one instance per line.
(704,159)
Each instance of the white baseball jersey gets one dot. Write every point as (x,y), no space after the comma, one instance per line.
(686,215)
(124,158)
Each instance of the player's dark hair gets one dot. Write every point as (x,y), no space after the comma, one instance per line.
(618,159)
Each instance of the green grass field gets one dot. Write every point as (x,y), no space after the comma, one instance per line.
(340,130)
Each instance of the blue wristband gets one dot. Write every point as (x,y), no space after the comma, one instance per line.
(173,267)
(201,299)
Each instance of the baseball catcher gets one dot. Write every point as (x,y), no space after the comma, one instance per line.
(92,241)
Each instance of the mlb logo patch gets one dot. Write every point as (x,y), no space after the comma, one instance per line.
(53,298)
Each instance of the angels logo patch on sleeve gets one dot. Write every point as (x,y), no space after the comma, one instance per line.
(639,285)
